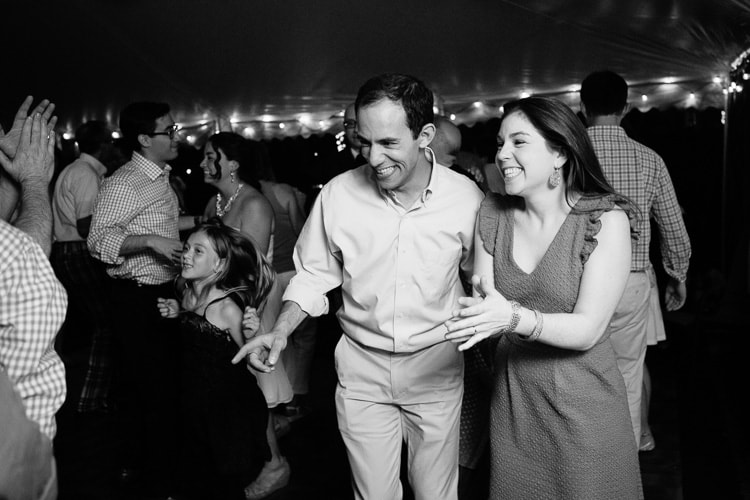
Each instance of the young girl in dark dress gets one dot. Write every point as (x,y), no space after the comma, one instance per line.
(223,412)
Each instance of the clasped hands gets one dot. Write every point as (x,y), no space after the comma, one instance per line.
(482,316)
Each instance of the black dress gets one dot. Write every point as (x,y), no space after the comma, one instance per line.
(223,413)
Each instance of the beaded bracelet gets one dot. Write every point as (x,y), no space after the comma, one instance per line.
(537,331)
(515,317)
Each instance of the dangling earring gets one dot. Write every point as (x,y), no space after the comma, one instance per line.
(231,176)
(555,179)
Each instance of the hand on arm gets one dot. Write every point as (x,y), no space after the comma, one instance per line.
(169,248)
(486,314)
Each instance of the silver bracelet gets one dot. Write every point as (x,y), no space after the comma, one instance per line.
(537,331)
(515,317)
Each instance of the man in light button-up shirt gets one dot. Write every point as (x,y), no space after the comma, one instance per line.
(395,234)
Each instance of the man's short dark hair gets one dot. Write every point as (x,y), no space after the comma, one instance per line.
(140,118)
(92,135)
(604,93)
(413,95)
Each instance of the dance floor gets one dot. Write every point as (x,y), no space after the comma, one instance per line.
(698,417)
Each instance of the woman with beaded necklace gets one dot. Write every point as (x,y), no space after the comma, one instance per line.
(227,166)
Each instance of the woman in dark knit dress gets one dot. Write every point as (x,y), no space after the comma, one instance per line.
(552,259)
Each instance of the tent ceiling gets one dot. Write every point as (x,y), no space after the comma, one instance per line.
(275,60)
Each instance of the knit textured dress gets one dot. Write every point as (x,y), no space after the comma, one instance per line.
(559,424)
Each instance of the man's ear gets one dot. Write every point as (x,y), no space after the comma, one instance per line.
(426,135)
(144,140)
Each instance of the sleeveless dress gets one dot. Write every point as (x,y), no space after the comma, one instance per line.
(275,385)
(559,420)
(224,413)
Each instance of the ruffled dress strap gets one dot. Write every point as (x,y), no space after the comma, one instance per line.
(593,207)
(492,212)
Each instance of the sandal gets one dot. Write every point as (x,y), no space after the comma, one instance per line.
(270,480)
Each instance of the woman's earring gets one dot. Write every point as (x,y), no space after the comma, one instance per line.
(555,179)
(231,176)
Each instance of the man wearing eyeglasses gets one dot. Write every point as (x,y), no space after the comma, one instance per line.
(135,232)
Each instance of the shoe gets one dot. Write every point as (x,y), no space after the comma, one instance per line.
(270,480)
(297,407)
(282,425)
(647,441)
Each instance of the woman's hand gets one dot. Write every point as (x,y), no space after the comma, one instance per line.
(168,308)
(481,317)
(250,322)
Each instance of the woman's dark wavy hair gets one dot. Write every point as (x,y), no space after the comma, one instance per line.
(235,147)
(564,132)
(246,269)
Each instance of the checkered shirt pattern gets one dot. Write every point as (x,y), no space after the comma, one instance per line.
(32,309)
(640,174)
(136,200)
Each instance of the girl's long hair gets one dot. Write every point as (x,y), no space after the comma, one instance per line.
(246,270)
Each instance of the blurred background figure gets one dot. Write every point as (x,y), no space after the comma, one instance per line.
(86,336)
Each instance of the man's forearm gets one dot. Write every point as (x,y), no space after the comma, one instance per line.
(135,243)
(35,213)
(290,317)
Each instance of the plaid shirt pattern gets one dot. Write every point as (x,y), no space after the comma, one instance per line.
(32,309)
(136,200)
(640,174)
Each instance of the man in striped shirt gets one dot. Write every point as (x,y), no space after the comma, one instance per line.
(135,232)
(640,174)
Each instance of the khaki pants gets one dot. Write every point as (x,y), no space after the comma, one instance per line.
(385,399)
(628,336)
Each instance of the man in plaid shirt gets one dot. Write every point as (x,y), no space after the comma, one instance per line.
(135,232)
(640,174)
(32,308)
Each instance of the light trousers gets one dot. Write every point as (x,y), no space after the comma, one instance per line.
(385,399)
(628,335)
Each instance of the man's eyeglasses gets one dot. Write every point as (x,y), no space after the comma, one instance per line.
(350,123)
(170,131)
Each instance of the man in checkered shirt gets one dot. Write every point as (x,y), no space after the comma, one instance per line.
(639,173)
(32,308)
(135,232)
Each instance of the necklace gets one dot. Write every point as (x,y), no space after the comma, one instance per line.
(222,211)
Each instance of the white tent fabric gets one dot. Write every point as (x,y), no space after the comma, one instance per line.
(297,63)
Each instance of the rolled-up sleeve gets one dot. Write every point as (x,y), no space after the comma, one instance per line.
(116,205)
(317,261)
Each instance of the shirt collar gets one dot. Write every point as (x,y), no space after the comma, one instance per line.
(94,163)
(435,174)
(151,169)
(607,130)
